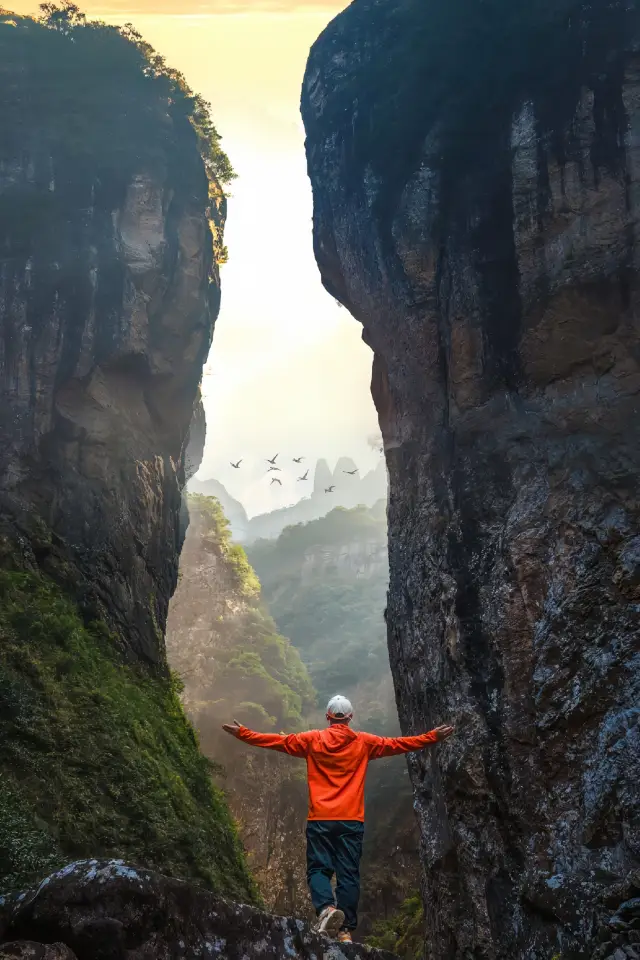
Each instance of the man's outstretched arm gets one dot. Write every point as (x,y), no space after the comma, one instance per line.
(295,744)
(392,746)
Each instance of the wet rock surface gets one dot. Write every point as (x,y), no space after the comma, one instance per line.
(496,278)
(106,910)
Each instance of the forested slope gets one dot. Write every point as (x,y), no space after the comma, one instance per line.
(234,664)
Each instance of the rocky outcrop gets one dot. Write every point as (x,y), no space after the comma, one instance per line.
(106,910)
(232,508)
(360,559)
(476,181)
(108,293)
(28,950)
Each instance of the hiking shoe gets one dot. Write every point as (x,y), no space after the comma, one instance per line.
(344,936)
(330,921)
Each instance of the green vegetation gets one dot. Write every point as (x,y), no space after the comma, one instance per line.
(97,757)
(403,933)
(255,673)
(235,664)
(333,615)
(106,106)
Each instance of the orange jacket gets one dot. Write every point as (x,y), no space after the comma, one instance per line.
(337,760)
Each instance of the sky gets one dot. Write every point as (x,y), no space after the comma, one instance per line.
(288,372)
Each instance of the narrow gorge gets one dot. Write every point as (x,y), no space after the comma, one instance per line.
(115,842)
(475,171)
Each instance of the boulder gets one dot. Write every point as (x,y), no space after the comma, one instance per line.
(108,910)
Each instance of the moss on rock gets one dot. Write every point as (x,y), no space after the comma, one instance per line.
(97,757)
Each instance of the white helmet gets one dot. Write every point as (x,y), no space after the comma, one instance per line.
(339,708)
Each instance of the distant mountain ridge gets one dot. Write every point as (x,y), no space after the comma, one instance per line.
(350,491)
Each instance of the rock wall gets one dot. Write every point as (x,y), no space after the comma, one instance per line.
(476,181)
(108,294)
(110,226)
(110,910)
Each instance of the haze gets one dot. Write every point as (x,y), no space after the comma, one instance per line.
(288,371)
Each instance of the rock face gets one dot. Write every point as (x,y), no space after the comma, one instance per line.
(28,950)
(106,910)
(108,294)
(110,229)
(477,207)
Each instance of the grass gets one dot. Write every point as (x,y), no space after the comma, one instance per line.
(97,757)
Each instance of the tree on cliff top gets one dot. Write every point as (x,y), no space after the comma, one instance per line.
(103,90)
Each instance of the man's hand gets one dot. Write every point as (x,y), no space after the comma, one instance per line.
(232,728)
(443,732)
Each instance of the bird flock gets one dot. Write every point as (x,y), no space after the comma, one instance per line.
(273,468)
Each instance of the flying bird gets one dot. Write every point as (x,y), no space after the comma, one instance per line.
(236,466)
(274,458)
(271,468)
(275,480)
(304,477)
(298,459)
(329,489)
(351,472)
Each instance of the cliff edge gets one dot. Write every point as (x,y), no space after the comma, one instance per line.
(476,181)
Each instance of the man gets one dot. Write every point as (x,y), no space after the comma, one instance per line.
(337,760)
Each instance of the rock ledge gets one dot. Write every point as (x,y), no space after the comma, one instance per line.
(108,910)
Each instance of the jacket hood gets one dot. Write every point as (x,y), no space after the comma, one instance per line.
(337,736)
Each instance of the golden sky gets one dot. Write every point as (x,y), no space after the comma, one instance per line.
(95,7)
(288,371)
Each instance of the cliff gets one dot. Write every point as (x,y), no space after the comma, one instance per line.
(111,217)
(475,171)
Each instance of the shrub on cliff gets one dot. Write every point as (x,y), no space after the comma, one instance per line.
(91,81)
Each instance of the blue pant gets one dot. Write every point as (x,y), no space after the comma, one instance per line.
(335,846)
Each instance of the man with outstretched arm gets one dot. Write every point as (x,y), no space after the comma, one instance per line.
(337,760)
